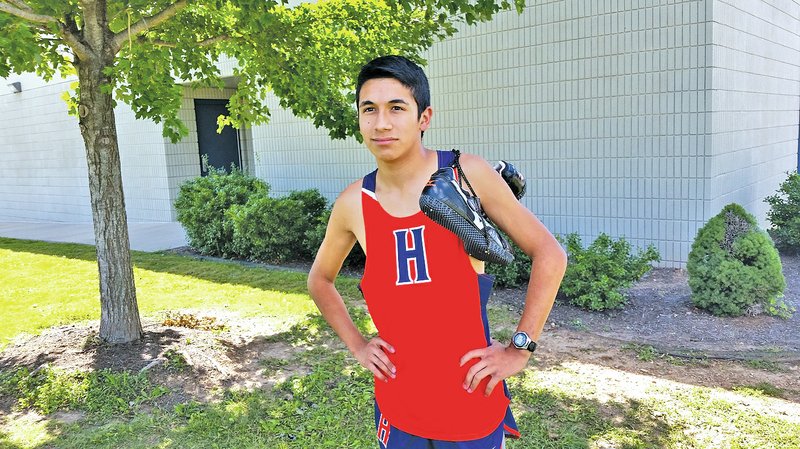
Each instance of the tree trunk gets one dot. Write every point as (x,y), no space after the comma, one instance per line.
(119,312)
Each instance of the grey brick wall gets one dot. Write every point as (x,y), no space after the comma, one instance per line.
(43,175)
(602,104)
(43,163)
(755,101)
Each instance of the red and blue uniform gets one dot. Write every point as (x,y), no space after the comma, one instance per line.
(427,301)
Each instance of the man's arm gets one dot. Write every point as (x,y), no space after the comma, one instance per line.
(339,240)
(547,270)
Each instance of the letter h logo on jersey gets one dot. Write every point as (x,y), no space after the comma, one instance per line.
(410,244)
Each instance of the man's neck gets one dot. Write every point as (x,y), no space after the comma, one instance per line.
(401,172)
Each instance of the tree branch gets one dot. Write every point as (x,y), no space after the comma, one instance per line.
(70,34)
(26,14)
(21,5)
(203,43)
(148,22)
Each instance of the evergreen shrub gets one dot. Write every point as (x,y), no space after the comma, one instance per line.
(784,214)
(734,267)
(316,233)
(596,275)
(202,205)
(274,229)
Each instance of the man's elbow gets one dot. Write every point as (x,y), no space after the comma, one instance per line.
(554,257)
(317,282)
(313,282)
(560,259)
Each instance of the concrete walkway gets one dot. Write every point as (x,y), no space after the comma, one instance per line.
(144,236)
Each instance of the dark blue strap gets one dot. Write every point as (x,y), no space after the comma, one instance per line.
(369,181)
(446,158)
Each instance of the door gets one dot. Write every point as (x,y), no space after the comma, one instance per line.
(220,150)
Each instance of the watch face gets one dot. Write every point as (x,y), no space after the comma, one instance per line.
(520,340)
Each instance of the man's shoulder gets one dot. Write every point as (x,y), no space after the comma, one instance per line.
(350,198)
(474,164)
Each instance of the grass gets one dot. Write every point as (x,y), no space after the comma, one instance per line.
(33,271)
(766,365)
(570,406)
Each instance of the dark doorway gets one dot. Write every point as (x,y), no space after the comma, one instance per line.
(218,150)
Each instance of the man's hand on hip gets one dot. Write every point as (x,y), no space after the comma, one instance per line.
(372,356)
(497,362)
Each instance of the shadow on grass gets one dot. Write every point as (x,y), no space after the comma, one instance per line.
(222,272)
(6,443)
(122,357)
(554,420)
(333,409)
(331,406)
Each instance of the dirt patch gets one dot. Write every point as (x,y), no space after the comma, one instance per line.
(660,313)
(192,363)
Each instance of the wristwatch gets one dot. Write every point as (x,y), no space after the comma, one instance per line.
(522,340)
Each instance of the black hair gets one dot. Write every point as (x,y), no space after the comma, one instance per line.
(402,69)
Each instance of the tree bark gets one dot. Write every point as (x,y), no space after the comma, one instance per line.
(119,312)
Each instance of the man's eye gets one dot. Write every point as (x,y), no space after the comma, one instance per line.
(370,109)
(397,108)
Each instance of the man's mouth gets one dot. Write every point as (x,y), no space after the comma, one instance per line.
(383,140)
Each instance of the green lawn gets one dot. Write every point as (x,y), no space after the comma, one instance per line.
(45,284)
(573,405)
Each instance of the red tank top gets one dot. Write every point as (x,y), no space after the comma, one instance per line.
(425,300)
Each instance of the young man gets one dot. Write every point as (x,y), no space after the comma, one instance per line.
(438,375)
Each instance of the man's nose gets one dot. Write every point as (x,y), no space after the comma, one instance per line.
(382,121)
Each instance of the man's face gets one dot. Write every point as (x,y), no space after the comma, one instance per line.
(388,119)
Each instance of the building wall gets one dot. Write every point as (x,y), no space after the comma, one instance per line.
(602,105)
(144,167)
(290,154)
(44,174)
(755,101)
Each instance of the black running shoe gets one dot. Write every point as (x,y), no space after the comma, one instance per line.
(512,177)
(445,202)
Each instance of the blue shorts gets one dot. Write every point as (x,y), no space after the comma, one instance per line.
(390,437)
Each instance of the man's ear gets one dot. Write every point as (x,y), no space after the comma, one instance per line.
(425,118)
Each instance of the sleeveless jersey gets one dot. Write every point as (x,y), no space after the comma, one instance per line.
(425,299)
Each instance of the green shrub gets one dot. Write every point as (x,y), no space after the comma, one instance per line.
(313,204)
(514,274)
(202,204)
(316,233)
(734,267)
(274,229)
(784,214)
(268,229)
(596,276)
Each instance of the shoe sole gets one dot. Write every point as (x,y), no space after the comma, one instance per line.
(473,239)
